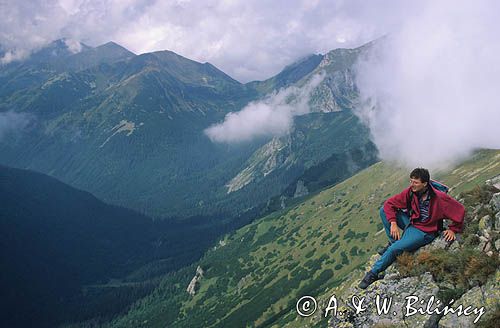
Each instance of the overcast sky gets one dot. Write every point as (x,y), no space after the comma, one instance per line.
(247,39)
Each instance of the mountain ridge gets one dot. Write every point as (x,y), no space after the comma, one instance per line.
(156,107)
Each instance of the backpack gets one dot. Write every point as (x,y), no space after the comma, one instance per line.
(435,184)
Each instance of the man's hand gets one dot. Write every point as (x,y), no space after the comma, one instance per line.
(449,235)
(395,231)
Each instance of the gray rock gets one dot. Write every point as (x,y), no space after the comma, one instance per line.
(191,289)
(486,234)
(441,243)
(282,202)
(495,202)
(399,292)
(485,223)
(300,189)
(476,210)
(486,297)
(487,247)
(482,243)
(495,182)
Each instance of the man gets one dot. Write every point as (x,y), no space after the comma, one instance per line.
(429,207)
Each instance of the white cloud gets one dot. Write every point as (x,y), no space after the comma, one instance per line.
(11,122)
(430,90)
(272,116)
(73,45)
(13,55)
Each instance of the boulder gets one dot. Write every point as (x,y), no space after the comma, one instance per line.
(191,289)
(484,297)
(399,294)
(495,182)
(485,223)
(495,202)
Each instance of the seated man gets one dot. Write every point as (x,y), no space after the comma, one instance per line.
(427,208)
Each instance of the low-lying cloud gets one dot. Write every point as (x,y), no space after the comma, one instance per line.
(429,92)
(11,122)
(272,116)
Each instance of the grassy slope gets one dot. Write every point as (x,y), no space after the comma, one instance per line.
(308,249)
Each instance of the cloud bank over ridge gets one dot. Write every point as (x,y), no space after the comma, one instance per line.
(247,39)
(272,116)
(429,92)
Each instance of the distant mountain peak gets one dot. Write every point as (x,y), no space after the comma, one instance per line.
(289,75)
(58,49)
(113,46)
(182,68)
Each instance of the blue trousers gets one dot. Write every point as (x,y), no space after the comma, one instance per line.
(411,240)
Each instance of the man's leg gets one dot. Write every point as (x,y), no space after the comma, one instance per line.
(411,240)
(402,221)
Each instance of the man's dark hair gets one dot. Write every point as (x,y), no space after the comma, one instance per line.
(420,173)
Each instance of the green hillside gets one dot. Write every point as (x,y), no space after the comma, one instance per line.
(254,276)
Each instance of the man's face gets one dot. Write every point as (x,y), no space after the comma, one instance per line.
(417,185)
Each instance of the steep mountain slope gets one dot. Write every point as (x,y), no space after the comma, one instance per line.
(324,146)
(289,75)
(314,140)
(55,240)
(256,275)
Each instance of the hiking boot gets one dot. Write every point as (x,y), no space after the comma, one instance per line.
(369,279)
(382,250)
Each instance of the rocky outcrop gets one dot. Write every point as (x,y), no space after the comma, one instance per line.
(495,182)
(419,300)
(400,294)
(483,298)
(191,289)
(300,189)
(397,293)
(495,202)
(275,154)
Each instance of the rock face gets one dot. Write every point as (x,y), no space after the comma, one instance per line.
(191,289)
(483,298)
(495,182)
(495,202)
(300,190)
(399,295)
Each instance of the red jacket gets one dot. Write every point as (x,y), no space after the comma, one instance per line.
(442,206)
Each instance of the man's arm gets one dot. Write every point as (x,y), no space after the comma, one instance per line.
(394,203)
(391,205)
(455,212)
